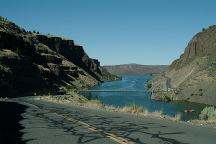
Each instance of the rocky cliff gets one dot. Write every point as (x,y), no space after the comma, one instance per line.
(192,77)
(35,63)
(135,69)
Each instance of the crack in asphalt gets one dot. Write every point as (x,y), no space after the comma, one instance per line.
(120,132)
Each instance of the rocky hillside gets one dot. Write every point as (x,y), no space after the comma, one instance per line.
(34,63)
(135,69)
(192,77)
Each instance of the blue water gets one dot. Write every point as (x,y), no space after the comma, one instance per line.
(137,82)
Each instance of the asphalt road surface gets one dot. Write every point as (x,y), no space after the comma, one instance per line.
(48,123)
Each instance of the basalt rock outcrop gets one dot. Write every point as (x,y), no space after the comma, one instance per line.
(192,77)
(32,63)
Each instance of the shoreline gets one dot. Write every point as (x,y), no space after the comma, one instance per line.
(80,101)
(131,110)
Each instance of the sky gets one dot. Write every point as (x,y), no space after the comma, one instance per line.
(149,32)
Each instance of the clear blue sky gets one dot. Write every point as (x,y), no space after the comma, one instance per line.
(117,31)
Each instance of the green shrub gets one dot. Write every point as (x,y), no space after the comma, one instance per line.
(149,85)
(17,51)
(166,98)
(208,113)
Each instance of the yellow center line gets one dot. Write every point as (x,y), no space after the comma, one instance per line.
(111,136)
(117,140)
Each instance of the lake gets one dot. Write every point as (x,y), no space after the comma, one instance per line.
(139,82)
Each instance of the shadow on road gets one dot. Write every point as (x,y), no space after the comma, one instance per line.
(126,129)
(9,122)
(130,130)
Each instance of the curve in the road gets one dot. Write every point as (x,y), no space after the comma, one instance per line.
(111,136)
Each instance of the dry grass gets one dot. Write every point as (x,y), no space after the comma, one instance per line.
(1,30)
(73,99)
(76,100)
(137,110)
(177,117)
(211,123)
(132,109)
(3,99)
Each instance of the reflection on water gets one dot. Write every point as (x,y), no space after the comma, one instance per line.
(138,82)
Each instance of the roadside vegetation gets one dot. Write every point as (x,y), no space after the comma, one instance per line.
(149,84)
(2,99)
(72,99)
(208,113)
(206,117)
(94,103)
(177,117)
(134,109)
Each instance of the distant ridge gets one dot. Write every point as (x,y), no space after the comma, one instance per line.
(134,69)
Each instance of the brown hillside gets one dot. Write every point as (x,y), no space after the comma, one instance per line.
(192,77)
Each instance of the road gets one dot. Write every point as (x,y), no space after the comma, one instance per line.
(58,124)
